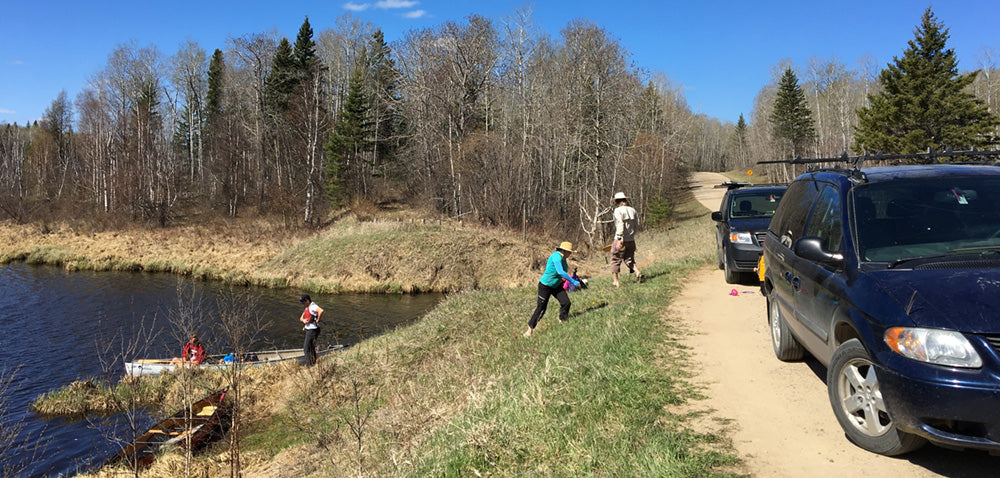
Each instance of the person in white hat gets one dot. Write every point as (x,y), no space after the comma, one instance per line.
(551,285)
(623,248)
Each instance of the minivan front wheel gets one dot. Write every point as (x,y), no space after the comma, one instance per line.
(732,277)
(857,402)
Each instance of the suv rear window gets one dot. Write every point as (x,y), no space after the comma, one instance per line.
(911,218)
(754,204)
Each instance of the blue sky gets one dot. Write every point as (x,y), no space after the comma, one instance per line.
(720,52)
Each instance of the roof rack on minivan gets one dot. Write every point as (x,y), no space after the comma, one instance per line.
(731,185)
(856,161)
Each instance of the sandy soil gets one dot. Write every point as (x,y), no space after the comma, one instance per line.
(777,414)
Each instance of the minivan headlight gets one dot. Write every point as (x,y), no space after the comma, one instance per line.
(740,238)
(940,347)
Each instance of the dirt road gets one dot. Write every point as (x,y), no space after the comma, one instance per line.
(777,413)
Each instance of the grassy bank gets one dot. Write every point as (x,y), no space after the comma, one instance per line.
(393,255)
(462,393)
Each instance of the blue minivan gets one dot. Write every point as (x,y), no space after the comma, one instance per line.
(741,224)
(890,276)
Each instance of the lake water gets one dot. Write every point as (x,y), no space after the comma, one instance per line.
(52,322)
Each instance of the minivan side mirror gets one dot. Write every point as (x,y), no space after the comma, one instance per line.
(811,248)
(717,216)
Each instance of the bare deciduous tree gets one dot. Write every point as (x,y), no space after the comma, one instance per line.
(240,324)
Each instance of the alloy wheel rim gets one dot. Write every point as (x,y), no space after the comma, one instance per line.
(775,324)
(861,399)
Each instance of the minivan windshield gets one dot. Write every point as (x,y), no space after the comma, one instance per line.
(922,217)
(749,204)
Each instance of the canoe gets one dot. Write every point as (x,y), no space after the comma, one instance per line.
(219,362)
(205,417)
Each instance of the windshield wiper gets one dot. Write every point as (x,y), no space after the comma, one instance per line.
(901,260)
(951,252)
(995,248)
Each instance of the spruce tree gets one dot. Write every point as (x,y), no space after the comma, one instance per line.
(384,101)
(305,49)
(349,139)
(741,127)
(924,102)
(739,142)
(282,80)
(213,99)
(791,119)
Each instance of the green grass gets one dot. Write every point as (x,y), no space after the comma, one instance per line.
(99,397)
(273,435)
(586,397)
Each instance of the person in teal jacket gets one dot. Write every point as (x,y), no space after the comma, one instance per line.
(551,285)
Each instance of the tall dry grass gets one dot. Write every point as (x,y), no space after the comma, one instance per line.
(381,256)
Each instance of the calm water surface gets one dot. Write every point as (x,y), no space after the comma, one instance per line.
(52,321)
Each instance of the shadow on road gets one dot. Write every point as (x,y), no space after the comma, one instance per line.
(943,461)
(955,464)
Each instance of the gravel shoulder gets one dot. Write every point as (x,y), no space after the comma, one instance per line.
(777,414)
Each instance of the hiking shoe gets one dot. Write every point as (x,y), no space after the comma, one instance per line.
(640,278)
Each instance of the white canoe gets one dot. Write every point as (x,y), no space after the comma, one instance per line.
(217,362)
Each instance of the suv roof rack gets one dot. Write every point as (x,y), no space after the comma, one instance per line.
(856,161)
(730,185)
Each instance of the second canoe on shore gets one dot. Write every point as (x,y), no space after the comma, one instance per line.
(186,428)
(220,362)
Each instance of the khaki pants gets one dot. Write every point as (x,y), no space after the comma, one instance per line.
(627,255)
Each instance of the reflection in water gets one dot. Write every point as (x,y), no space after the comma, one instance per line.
(57,327)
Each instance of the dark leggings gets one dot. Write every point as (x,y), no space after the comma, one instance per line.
(310,346)
(544,292)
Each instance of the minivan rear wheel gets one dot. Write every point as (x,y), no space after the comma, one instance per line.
(786,347)
(853,387)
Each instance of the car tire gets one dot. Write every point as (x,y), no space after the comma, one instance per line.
(857,402)
(718,258)
(786,347)
(732,277)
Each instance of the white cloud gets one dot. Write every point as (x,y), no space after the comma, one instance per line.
(17,62)
(5,111)
(395,3)
(388,5)
(356,7)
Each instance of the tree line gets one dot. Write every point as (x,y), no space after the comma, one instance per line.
(919,101)
(485,120)
(490,121)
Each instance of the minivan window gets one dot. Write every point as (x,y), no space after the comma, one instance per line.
(752,204)
(790,219)
(911,218)
(825,221)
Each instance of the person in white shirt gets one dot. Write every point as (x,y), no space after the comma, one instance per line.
(623,247)
(310,317)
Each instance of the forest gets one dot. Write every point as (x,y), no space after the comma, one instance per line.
(485,120)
